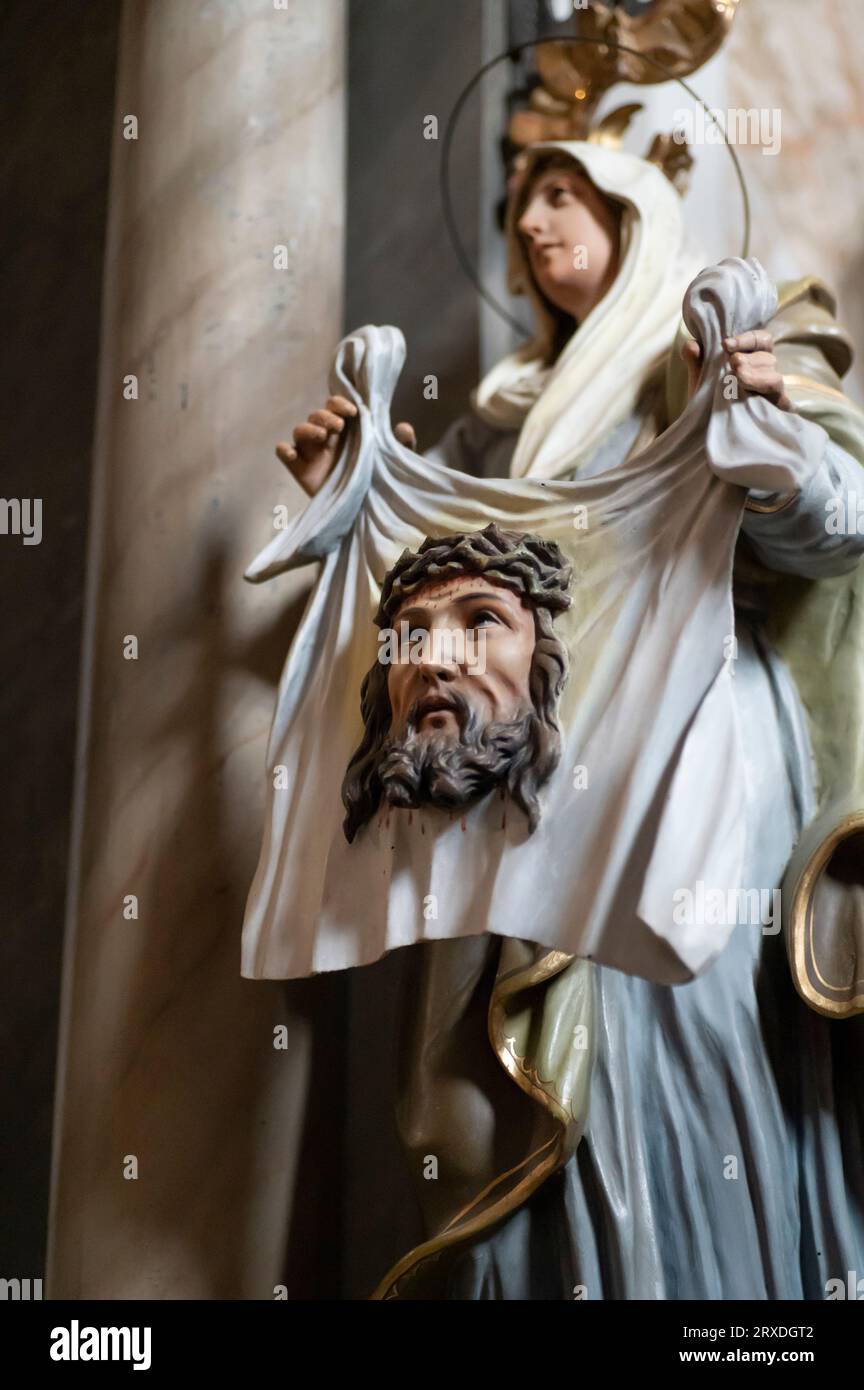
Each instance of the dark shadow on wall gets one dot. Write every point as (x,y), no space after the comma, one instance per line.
(406,63)
(57,66)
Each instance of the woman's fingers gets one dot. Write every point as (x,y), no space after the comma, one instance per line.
(328,419)
(406,435)
(310,440)
(756,360)
(314,434)
(287,454)
(754,340)
(751,356)
(756,374)
(340,405)
(691,355)
(691,351)
(764,380)
(316,443)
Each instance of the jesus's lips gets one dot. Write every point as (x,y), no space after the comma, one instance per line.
(434,704)
(431,710)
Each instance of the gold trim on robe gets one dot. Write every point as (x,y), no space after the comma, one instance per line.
(541,1028)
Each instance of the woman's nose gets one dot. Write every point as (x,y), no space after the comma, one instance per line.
(530,224)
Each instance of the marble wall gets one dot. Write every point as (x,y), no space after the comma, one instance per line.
(805,58)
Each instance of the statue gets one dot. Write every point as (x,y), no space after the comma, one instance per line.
(659,1115)
(444,731)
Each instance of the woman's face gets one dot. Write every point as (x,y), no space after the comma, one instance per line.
(572,235)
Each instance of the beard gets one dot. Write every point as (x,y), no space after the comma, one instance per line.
(421,769)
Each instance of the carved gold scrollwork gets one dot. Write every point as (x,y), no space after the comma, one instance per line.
(680,35)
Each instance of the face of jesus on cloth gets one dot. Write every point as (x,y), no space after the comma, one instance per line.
(461,620)
(441,727)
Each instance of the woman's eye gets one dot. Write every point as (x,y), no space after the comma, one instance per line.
(559,191)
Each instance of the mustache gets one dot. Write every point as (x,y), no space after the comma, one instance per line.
(444,700)
(450,773)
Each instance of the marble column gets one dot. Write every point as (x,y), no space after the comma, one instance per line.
(183,1159)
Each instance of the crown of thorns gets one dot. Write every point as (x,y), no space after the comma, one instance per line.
(533,568)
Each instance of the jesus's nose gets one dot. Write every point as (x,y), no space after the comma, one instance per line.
(437,656)
(438,670)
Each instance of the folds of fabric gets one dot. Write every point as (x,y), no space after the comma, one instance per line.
(816,623)
(647,711)
(541,1027)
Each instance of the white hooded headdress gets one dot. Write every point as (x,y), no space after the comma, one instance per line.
(564,410)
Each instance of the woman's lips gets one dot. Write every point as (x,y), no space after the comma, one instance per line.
(547,246)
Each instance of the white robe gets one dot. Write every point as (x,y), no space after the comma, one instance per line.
(647,711)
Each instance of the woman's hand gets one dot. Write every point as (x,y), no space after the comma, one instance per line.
(318,442)
(752,360)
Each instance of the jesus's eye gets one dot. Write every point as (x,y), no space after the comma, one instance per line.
(483,617)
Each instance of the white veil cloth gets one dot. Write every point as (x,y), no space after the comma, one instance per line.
(647,710)
(565,410)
